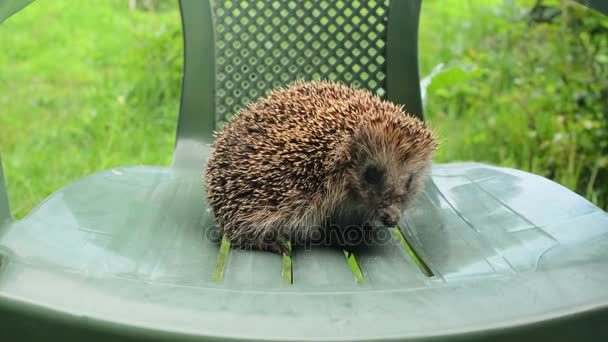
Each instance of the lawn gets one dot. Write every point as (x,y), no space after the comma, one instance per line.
(66,84)
(86,86)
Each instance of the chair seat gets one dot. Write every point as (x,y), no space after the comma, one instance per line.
(130,251)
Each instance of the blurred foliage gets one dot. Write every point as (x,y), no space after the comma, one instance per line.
(153,5)
(157,55)
(537,95)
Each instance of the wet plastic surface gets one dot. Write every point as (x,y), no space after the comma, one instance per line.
(130,254)
(132,248)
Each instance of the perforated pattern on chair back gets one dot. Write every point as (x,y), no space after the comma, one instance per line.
(261,45)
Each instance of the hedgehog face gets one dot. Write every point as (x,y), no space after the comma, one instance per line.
(388,166)
(378,192)
(385,189)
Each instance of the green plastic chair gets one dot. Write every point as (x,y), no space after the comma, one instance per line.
(486,254)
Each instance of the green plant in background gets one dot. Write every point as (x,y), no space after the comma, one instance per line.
(91,85)
(537,97)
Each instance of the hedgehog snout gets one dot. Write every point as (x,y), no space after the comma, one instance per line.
(390,216)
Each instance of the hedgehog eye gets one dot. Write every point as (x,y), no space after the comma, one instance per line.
(408,184)
(373,175)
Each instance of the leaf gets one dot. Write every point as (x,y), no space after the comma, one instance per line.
(603,59)
(451,76)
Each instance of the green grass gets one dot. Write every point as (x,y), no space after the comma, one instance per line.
(412,253)
(354,267)
(64,96)
(86,86)
(222,257)
(287,266)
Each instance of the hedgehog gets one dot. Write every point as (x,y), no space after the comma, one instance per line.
(315,161)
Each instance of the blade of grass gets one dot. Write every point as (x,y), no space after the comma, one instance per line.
(221,259)
(354,267)
(592,178)
(287,266)
(412,253)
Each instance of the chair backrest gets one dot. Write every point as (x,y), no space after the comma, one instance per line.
(598,5)
(10,7)
(236,51)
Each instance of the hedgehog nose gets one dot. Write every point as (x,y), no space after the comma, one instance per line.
(388,221)
(390,217)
